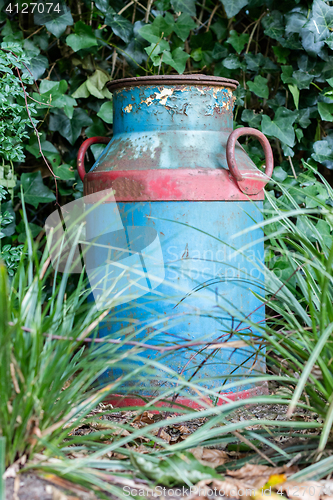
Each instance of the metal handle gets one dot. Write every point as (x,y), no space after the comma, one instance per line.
(231,143)
(83,149)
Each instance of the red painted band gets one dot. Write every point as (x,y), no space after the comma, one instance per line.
(171,185)
(122,401)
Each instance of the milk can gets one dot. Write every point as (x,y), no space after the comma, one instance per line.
(181,179)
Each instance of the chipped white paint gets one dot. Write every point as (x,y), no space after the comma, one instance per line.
(128,108)
(162,97)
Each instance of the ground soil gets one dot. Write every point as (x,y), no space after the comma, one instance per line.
(31,487)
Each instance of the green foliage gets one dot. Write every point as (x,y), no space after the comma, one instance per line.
(46,383)
(176,470)
(14,120)
(281,52)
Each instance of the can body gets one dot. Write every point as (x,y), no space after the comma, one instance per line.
(178,201)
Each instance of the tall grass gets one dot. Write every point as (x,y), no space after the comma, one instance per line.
(47,386)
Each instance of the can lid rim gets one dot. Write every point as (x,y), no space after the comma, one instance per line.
(194,79)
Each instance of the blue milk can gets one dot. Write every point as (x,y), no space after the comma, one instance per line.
(186,189)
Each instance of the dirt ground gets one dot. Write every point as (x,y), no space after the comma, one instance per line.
(30,486)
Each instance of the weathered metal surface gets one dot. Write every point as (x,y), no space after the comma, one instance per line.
(173,127)
(172,80)
(121,401)
(168,185)
(206,285)
(167,163)
(83,149)
(249,182)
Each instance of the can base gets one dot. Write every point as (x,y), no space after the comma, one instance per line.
(132,400)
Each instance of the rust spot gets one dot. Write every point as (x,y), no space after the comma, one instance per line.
(125,187)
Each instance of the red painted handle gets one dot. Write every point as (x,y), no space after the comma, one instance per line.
(231,143)
(83,149)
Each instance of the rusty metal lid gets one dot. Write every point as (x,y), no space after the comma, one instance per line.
(173,80)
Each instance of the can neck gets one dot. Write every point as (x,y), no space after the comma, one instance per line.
(172,107)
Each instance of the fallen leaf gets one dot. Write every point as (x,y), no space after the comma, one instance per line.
(146,418)
(230,488)
(162,434)
(12,470)
(142,449)
(211,457)
(308,490)
(254,473)
(183,429)
(117,456)
(250,470)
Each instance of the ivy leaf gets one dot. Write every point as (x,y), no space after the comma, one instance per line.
(274,25)
(254,61)
(83,37)
(20,228)
(313,47)
(325,111)
(250,117)
(281,54)
(185,6)
(304,117)
(295,20)
(232,7)
(154,32)
(178,469)
(329,41)
(95,85)
(134,51)
(286,75)
(281,127)
(54,22)
(65,172)
(220,28)
(177,59)
(321,20)
(102,5)
(106,112)
(183,26)
(34,190)
(232,62)
(69,128)
(30,48)
(157,48)
(322,152)
(121,26)
(279,174)
(97,129)
(295,93)
(219,52)
(37,66)
(50,151)
(259,86)
(81,92)
(238,41)
(302,79)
